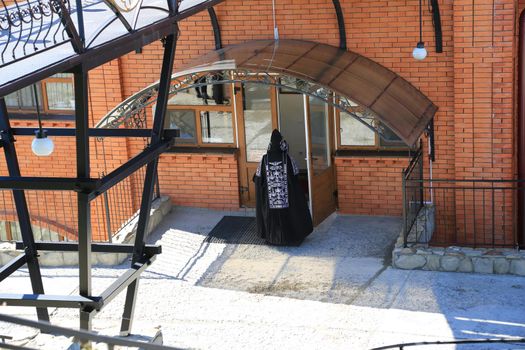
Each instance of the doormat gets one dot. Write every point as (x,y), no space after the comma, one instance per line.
(235,230)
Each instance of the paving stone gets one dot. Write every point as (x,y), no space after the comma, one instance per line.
(433,263)
(466,265)
(450,263)
(408,251)
(493,252)
(423,252)
(483,265)
(501,266)
(438,251)
(410,262)
(517,267)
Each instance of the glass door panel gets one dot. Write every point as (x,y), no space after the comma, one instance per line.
(320,138)
(291,121)
(257,120)
(319,119)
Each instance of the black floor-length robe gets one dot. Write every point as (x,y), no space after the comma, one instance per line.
(283,217)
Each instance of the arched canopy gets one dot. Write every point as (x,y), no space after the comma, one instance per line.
(354,79)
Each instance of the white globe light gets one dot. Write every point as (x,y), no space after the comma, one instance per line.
(42,145)
(419,52)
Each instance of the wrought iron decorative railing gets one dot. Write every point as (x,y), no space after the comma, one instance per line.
(413,200)
(135,107)
(30,27)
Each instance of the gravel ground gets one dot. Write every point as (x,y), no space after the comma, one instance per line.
(336,291)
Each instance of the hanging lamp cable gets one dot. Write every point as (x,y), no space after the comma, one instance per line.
(275,29)
(40,133)
(420,21)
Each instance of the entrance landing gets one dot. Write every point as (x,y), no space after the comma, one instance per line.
(334,264)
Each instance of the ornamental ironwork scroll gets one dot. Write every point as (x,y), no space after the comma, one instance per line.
(125,5)
(134,109)
(30,27)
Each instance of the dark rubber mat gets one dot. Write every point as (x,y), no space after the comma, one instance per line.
(235,230)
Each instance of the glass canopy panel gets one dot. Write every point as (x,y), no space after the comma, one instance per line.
(316,69)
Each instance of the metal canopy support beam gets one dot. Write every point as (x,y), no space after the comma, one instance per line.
(21,208)
(41,300)
(436,20)
(96,132)
(340,24)
(13,265)
(149,181)
(119,15)
(216,28)
(47,183)
(76,40)
(152,152)
(149,250)
(84,208)
(126,279)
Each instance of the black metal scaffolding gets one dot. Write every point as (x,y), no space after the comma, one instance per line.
(88,188)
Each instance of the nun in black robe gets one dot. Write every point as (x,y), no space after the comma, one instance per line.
(283,217)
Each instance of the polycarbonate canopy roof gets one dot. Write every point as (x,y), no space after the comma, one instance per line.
(395,102)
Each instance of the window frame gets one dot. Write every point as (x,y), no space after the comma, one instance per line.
(45,97)
(197,109)
(377,140)
(44,103)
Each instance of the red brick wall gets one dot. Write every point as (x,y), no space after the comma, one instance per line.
(369,186)
(472,82)
(200,180)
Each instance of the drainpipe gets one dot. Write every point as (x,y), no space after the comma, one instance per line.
(521,131)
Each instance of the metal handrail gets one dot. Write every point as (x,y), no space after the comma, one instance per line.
(465,212)
(82,335)
(410,213)
(461,341)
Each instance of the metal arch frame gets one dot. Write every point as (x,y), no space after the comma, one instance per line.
(216,28)
(436,21)
(340,24)
(137,103)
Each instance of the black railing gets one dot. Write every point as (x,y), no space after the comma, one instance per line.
(88,339)
(54,214)
(466,212)
(460,342)
(412,195)
(120,204)
(30,27)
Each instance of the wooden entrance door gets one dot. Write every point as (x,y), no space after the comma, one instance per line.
(256,119)
(320,143)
